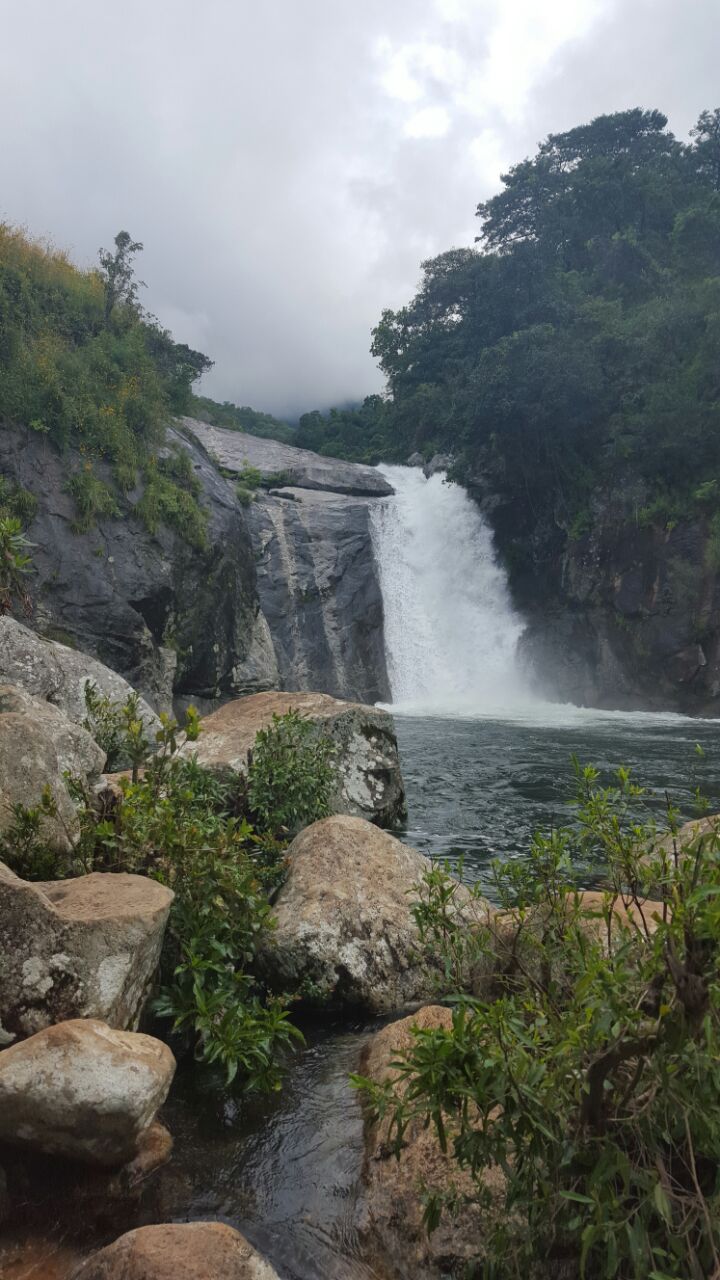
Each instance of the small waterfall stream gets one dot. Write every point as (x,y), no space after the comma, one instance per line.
(451,632)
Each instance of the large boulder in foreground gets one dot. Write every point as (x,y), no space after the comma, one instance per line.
(178,1251)
(371,784)
(38,744)
(81,948)
(396,1244)
(58,674)
(83,1090)
(345,932)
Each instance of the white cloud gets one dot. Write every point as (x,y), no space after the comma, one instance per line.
(288,165)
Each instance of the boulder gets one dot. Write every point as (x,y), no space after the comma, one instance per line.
(38,743)
(286,464)
(58,674)
(395,1242)
(80,948)
(438,462)
(371,784)
(178,1251)
(345,932)
(83,1090)
(415,460)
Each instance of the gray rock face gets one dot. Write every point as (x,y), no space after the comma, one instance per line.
(319,590)
(81,948)
(168,617)
(38,743)
(316,575)
(345,930)
(54,672)
(615,619)
(371,784)
(438,462)
(82,1090)
(298,467)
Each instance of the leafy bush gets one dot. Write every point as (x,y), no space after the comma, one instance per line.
(175,821)
(23,847)
(593,1080)
(15,565)
(82,364)
(92,498)
(291,774)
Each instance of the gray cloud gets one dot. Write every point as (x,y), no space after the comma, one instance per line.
(288,165)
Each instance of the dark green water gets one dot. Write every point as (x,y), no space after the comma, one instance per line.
(479,788)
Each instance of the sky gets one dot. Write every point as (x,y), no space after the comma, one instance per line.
(288,164)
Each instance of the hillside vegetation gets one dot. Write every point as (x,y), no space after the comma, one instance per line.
(577,344)
(84,365)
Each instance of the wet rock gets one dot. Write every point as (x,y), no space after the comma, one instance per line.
(178,1251)
(80,948)
(371,784)
(345,932)
(415,460)
(396,1244)
(283,463)
(58,675)
(83,1090)
(438,462)
(38,743)
(319,590)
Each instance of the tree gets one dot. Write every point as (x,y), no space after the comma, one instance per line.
(707,146)
(119,275)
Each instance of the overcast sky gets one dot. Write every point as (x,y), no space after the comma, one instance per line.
(289,163)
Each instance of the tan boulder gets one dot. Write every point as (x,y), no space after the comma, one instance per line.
(81,948)
(395,1242)
(371,784)
(345,931)
(38,744)
(83,1090)
(178,1251)
(57,674)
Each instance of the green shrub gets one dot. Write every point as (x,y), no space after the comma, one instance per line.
(167,501)
(291,775)
(244,496)
(175,821)
(15,565)
(23,847)
(593,1079)
(92,497)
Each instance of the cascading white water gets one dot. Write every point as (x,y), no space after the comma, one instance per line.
(451,632)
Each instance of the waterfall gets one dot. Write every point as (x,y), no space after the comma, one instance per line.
(451,632)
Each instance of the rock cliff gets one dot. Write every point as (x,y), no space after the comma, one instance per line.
(284,596)
(623,612)
(169,618)
(316,577)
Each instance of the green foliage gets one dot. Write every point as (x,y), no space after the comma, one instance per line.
(592,1080)
(93,499)
(291,774)
(23,845)
(240,419)
(15,565)
(576,346)
(175,821)
(83,365)
(170,498)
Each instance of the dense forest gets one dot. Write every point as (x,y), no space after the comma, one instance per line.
(578,342)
